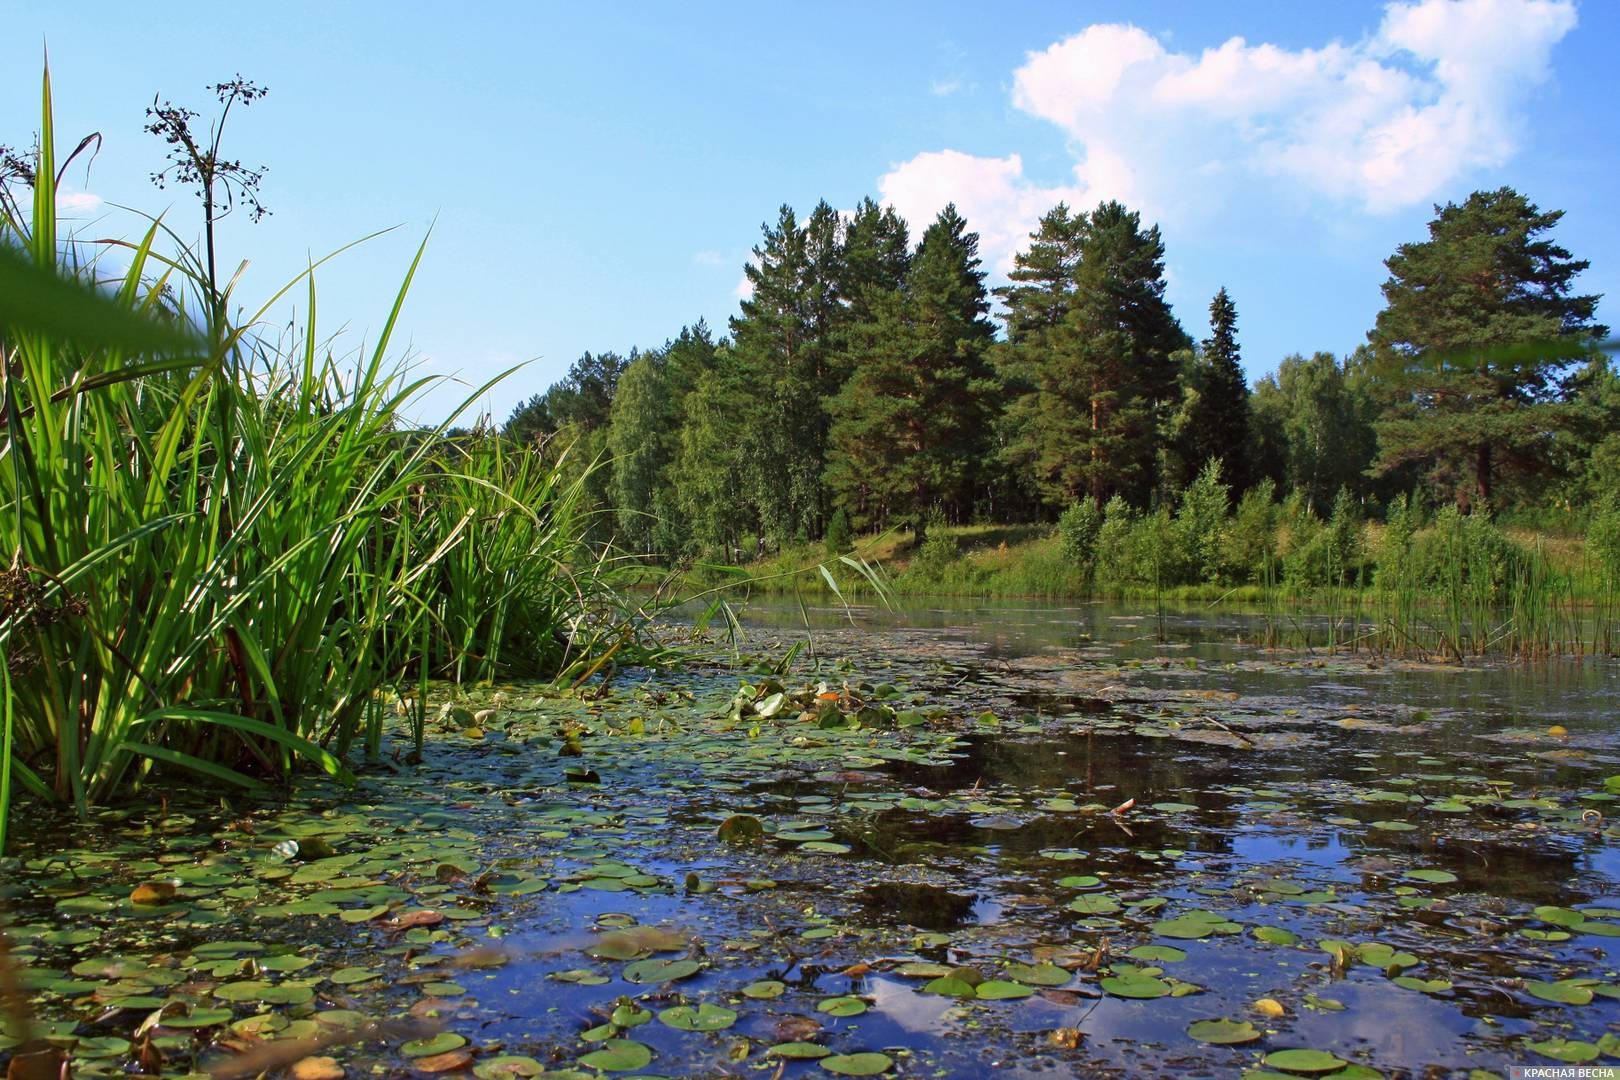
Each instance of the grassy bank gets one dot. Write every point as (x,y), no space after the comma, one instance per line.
(1447,586)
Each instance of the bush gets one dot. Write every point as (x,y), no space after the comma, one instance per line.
(1330,554)
(1077,530)
(1250,550)
(1114,561)
(1200,525)
(1466,554)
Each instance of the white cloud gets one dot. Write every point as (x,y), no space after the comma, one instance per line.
(991,193)
(78,202)
(744,289)
(1397,119)
(709,258)
(944,87)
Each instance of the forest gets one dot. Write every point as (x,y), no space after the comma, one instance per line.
(870,383)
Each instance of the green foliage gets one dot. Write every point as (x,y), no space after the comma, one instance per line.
(1331,554)
(1091,357)
(1078,529)
(1213,419)
(1251,537)
(1479,326)
(840,537)
(1115,563)
(644,441)
(913,416)
(1201,524)
(223,575)
(1312,420)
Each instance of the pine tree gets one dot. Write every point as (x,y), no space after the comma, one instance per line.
(912,419)
(1043,275)
(1478,329)
(1095,381)
(776,345)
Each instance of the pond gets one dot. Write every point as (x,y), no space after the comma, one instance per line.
(963,839)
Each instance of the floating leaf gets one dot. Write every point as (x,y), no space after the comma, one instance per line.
(1223,1032)
(866,1064)
(704,1017)
(661,971)
(1135,986)
(1001,990)
(842,1006)
(619,1055)
(441,1043)
(798,1050)
(1304,1061)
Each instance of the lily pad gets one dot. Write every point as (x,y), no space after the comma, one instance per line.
(619,1055)
(704,1017)
(1304,1061)
(865,1064)
(1223,1032)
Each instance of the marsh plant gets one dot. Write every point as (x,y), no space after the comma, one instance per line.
(224,551)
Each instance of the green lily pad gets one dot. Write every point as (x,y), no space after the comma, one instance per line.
(442,1043)
(1569,1050)
(1135,986)
(660,971)
(1304,1061)
(1223,1032)
(798,1051)
(866,1064)
(842,1006)
(1001,990)
(1039,974)
(1564,991)
(1432,877)
(619,1055)
(764,989)
(704,1017)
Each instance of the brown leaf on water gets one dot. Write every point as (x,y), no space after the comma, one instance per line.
(407,920)
(1122,807)
(37,1061)
(795,1029)
(449,1061)
(153,892)
(1065,1038)
(855,971)
(317,1068)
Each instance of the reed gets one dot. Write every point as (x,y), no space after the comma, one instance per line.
(224,548)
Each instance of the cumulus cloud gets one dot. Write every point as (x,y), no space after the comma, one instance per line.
(78,202)
(1434,94)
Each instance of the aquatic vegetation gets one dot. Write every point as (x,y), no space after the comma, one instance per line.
(223,548)
(904,873)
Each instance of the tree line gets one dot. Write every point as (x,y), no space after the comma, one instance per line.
(863,384)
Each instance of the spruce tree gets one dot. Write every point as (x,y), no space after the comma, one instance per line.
(1213,423)
(1480,326)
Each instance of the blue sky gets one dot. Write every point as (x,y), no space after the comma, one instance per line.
(595,175)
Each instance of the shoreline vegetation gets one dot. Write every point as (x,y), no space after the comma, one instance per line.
(1446,585)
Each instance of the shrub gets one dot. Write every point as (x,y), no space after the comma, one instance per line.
(1077,530)
(1200,525)
(1250,549)
(1115,561)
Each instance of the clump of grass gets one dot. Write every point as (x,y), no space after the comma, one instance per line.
(223,549)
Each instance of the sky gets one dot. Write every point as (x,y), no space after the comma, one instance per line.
(594,176)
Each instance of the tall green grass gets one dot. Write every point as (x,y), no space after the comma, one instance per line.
(223,549)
